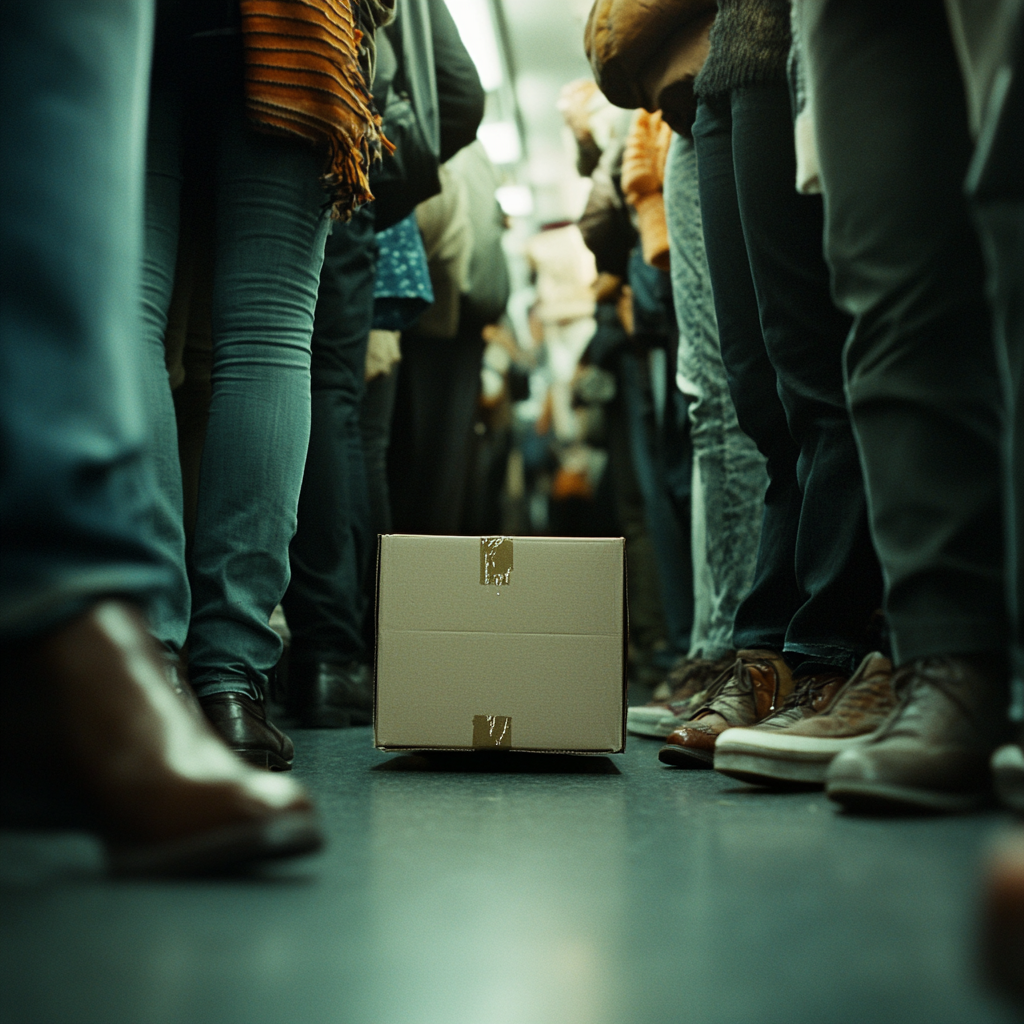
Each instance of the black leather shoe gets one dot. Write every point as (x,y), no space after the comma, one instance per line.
(242,724)
(330,695)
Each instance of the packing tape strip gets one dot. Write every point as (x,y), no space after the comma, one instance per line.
(496,561)
(491,732)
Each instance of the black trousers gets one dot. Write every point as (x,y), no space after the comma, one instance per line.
(925,387)
(817,579)
(325,603)
(431,433)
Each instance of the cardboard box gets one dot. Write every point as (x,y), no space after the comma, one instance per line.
(515,643)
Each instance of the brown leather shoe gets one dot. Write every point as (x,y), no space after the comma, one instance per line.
(167,795)
(757,686)
(932,753)
(658,718)
(800,749)
(1003,917)
(242,724)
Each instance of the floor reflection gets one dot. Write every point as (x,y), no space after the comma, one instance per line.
(497,897)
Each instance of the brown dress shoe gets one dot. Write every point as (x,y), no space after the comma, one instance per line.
(1003,918)
(932,753)
(789,749)
(689,676)
(167,795)
(242,724)
(757,686)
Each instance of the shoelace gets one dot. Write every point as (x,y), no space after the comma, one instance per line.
(733,682)
(806,689)
(698,677)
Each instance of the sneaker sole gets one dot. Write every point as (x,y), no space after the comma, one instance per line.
(748,766)
(684,757)
(882,798)
(653,732)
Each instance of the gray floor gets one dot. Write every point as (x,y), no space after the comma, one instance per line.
(578,890)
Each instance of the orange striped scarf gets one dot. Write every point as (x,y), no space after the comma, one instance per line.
(306,75)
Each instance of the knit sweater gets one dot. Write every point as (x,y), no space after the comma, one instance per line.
(749,46)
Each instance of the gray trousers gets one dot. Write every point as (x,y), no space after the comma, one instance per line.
(729,476)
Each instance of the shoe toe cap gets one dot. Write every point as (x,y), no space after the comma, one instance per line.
(694,736)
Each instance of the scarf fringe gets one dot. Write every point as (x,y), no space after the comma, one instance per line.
(306,76)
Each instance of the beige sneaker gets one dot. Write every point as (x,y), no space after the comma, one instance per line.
(798,744)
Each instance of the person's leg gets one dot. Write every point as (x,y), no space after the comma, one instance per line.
(659,515)
(324,601)
(923,384)
(438,386)
(271,230)
(85,696)
(375,427)
(729,471)
(764,614)
(164,175)
(995,183)
(923,389)
(452,456)
(646,620)
(329,683)
(837,571)
(76,481)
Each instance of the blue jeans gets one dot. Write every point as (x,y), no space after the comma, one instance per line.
(661,507)
(817,580)
(729,477)
(76,483)
(270,230)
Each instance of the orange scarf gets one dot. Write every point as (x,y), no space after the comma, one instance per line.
(306,75)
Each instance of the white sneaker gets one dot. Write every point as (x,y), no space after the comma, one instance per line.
(1008,775)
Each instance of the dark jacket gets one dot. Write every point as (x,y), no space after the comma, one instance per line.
(429,92)
(439,75)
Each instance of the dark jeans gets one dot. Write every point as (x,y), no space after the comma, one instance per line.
(269,230)
(924,385)
(656,451)
(325,602)
(996,183)
(817,579)
(375,425)
(76,483)
(428,462)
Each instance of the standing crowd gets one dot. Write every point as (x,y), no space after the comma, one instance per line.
(793,304)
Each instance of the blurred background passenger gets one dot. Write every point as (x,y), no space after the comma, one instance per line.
(439,375)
